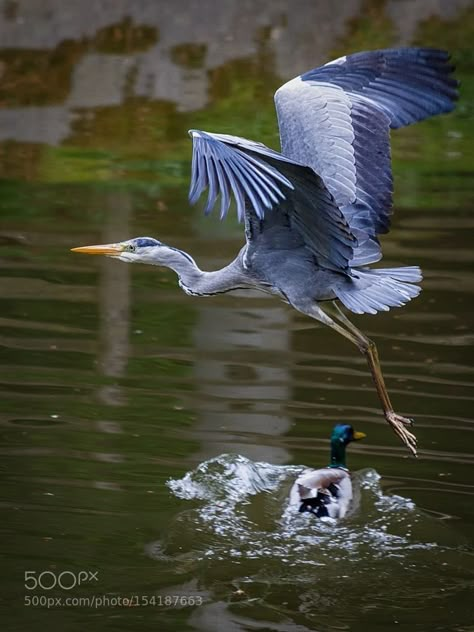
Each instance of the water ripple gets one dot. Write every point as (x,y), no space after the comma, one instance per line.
(244,512)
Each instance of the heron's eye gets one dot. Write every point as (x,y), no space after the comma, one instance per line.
(131,247)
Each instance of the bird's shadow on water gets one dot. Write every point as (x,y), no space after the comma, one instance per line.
(241,532)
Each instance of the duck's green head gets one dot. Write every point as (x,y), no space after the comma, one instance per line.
(342,435)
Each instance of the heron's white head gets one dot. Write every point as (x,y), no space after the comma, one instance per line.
(137,250)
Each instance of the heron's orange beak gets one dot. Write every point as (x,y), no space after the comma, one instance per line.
(102,249)
(359,435)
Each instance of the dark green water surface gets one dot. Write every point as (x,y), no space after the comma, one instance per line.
(151,438)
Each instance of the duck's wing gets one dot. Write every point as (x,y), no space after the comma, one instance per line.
(264,184)
(326,492)
(311,481)
(337,120)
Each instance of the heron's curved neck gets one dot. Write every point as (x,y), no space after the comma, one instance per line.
(197,282)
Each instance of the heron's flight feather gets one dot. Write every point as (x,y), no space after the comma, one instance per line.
(223,163)
(336,119)
(294,195)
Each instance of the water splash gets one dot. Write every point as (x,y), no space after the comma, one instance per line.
(238,532)
(244,505)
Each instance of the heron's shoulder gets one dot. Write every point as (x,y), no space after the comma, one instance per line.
(304,86)
(290,94)
(290,86)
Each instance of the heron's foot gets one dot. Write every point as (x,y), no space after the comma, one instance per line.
(399,424)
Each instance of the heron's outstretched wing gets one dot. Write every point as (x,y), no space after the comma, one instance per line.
(227,164)
(260,180)
(336,119)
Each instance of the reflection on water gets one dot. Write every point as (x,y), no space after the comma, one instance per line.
(113,381)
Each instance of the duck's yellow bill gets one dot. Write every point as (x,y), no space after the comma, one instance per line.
(359,435)
(101,249)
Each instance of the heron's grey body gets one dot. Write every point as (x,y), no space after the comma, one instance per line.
(277,260)
(313,213)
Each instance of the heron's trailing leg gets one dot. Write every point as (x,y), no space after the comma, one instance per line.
(338,321)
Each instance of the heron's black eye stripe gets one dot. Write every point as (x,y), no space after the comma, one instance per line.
(185,254)
(143,242)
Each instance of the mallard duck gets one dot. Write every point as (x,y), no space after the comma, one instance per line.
(327,492)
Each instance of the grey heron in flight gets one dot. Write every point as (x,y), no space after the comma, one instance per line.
(313,212)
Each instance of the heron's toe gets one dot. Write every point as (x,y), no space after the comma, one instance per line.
(399,424)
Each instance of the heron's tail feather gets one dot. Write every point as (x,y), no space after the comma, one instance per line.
(372,291)
(410,274)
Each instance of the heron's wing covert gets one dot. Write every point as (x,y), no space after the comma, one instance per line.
(260,180)
(336,119)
